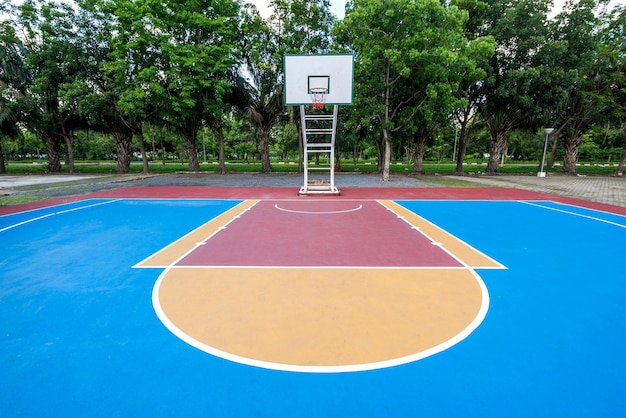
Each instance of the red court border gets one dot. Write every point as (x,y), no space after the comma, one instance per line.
(390,193)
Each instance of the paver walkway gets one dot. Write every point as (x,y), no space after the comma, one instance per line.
(609,190)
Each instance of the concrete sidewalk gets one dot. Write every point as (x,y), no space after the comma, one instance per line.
(13,182)
(609,190)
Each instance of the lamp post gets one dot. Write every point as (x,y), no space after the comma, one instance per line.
(548,131)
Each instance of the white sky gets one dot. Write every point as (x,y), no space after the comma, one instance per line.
(338,7)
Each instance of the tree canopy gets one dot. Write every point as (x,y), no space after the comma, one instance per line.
(426,73)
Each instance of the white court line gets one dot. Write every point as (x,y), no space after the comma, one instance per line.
(57,213)
(478,319)
(580,207)
(575,214)
(217,266)
(44,207)
(439,244)
(197,244)
(319,213)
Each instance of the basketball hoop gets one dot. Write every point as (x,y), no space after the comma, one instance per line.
(318,98)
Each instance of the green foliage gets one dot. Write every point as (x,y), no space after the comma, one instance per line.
(407,55)
(87,77)
(613,72)
(302,26)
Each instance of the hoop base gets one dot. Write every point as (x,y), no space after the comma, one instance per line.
(309,190)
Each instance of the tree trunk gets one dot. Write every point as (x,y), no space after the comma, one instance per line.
(216,129)
(380,157)
(570,146)
(54,152)
(69,150)
(420,148)
(496,147)
(386,154)
(192,151)
(142,149)
(337,163)
(555,144)
(462,150)
(264,147)
(123,146)
(3,168)
(386,138)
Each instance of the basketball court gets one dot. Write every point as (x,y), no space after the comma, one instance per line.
(187,301)
(318,302)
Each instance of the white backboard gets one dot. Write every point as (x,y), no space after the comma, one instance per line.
(304,72)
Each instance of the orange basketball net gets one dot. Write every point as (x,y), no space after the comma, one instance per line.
(318,98)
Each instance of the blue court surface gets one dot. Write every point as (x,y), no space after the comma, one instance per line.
(80,336)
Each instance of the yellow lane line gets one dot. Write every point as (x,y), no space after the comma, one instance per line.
(458,248)
(173,252)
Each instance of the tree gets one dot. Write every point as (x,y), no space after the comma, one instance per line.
(613,54)
(302,26)
(520,31)
(54,62)
(13,84)
(577,28)
(475,59)
(129,74)
(296,26)
(262,93)
(198,46)
(93,92)
(400,43)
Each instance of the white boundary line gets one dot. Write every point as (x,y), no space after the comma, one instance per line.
(216,266)
(501,266)
(319,213)
(57,213)
(478,319)
(576,214)
(45,207)
(138,265)
(578,207)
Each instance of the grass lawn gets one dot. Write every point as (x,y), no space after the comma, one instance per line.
(108,167)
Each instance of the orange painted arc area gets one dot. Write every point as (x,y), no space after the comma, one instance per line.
(170,254)
(320,317)
(468,255)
